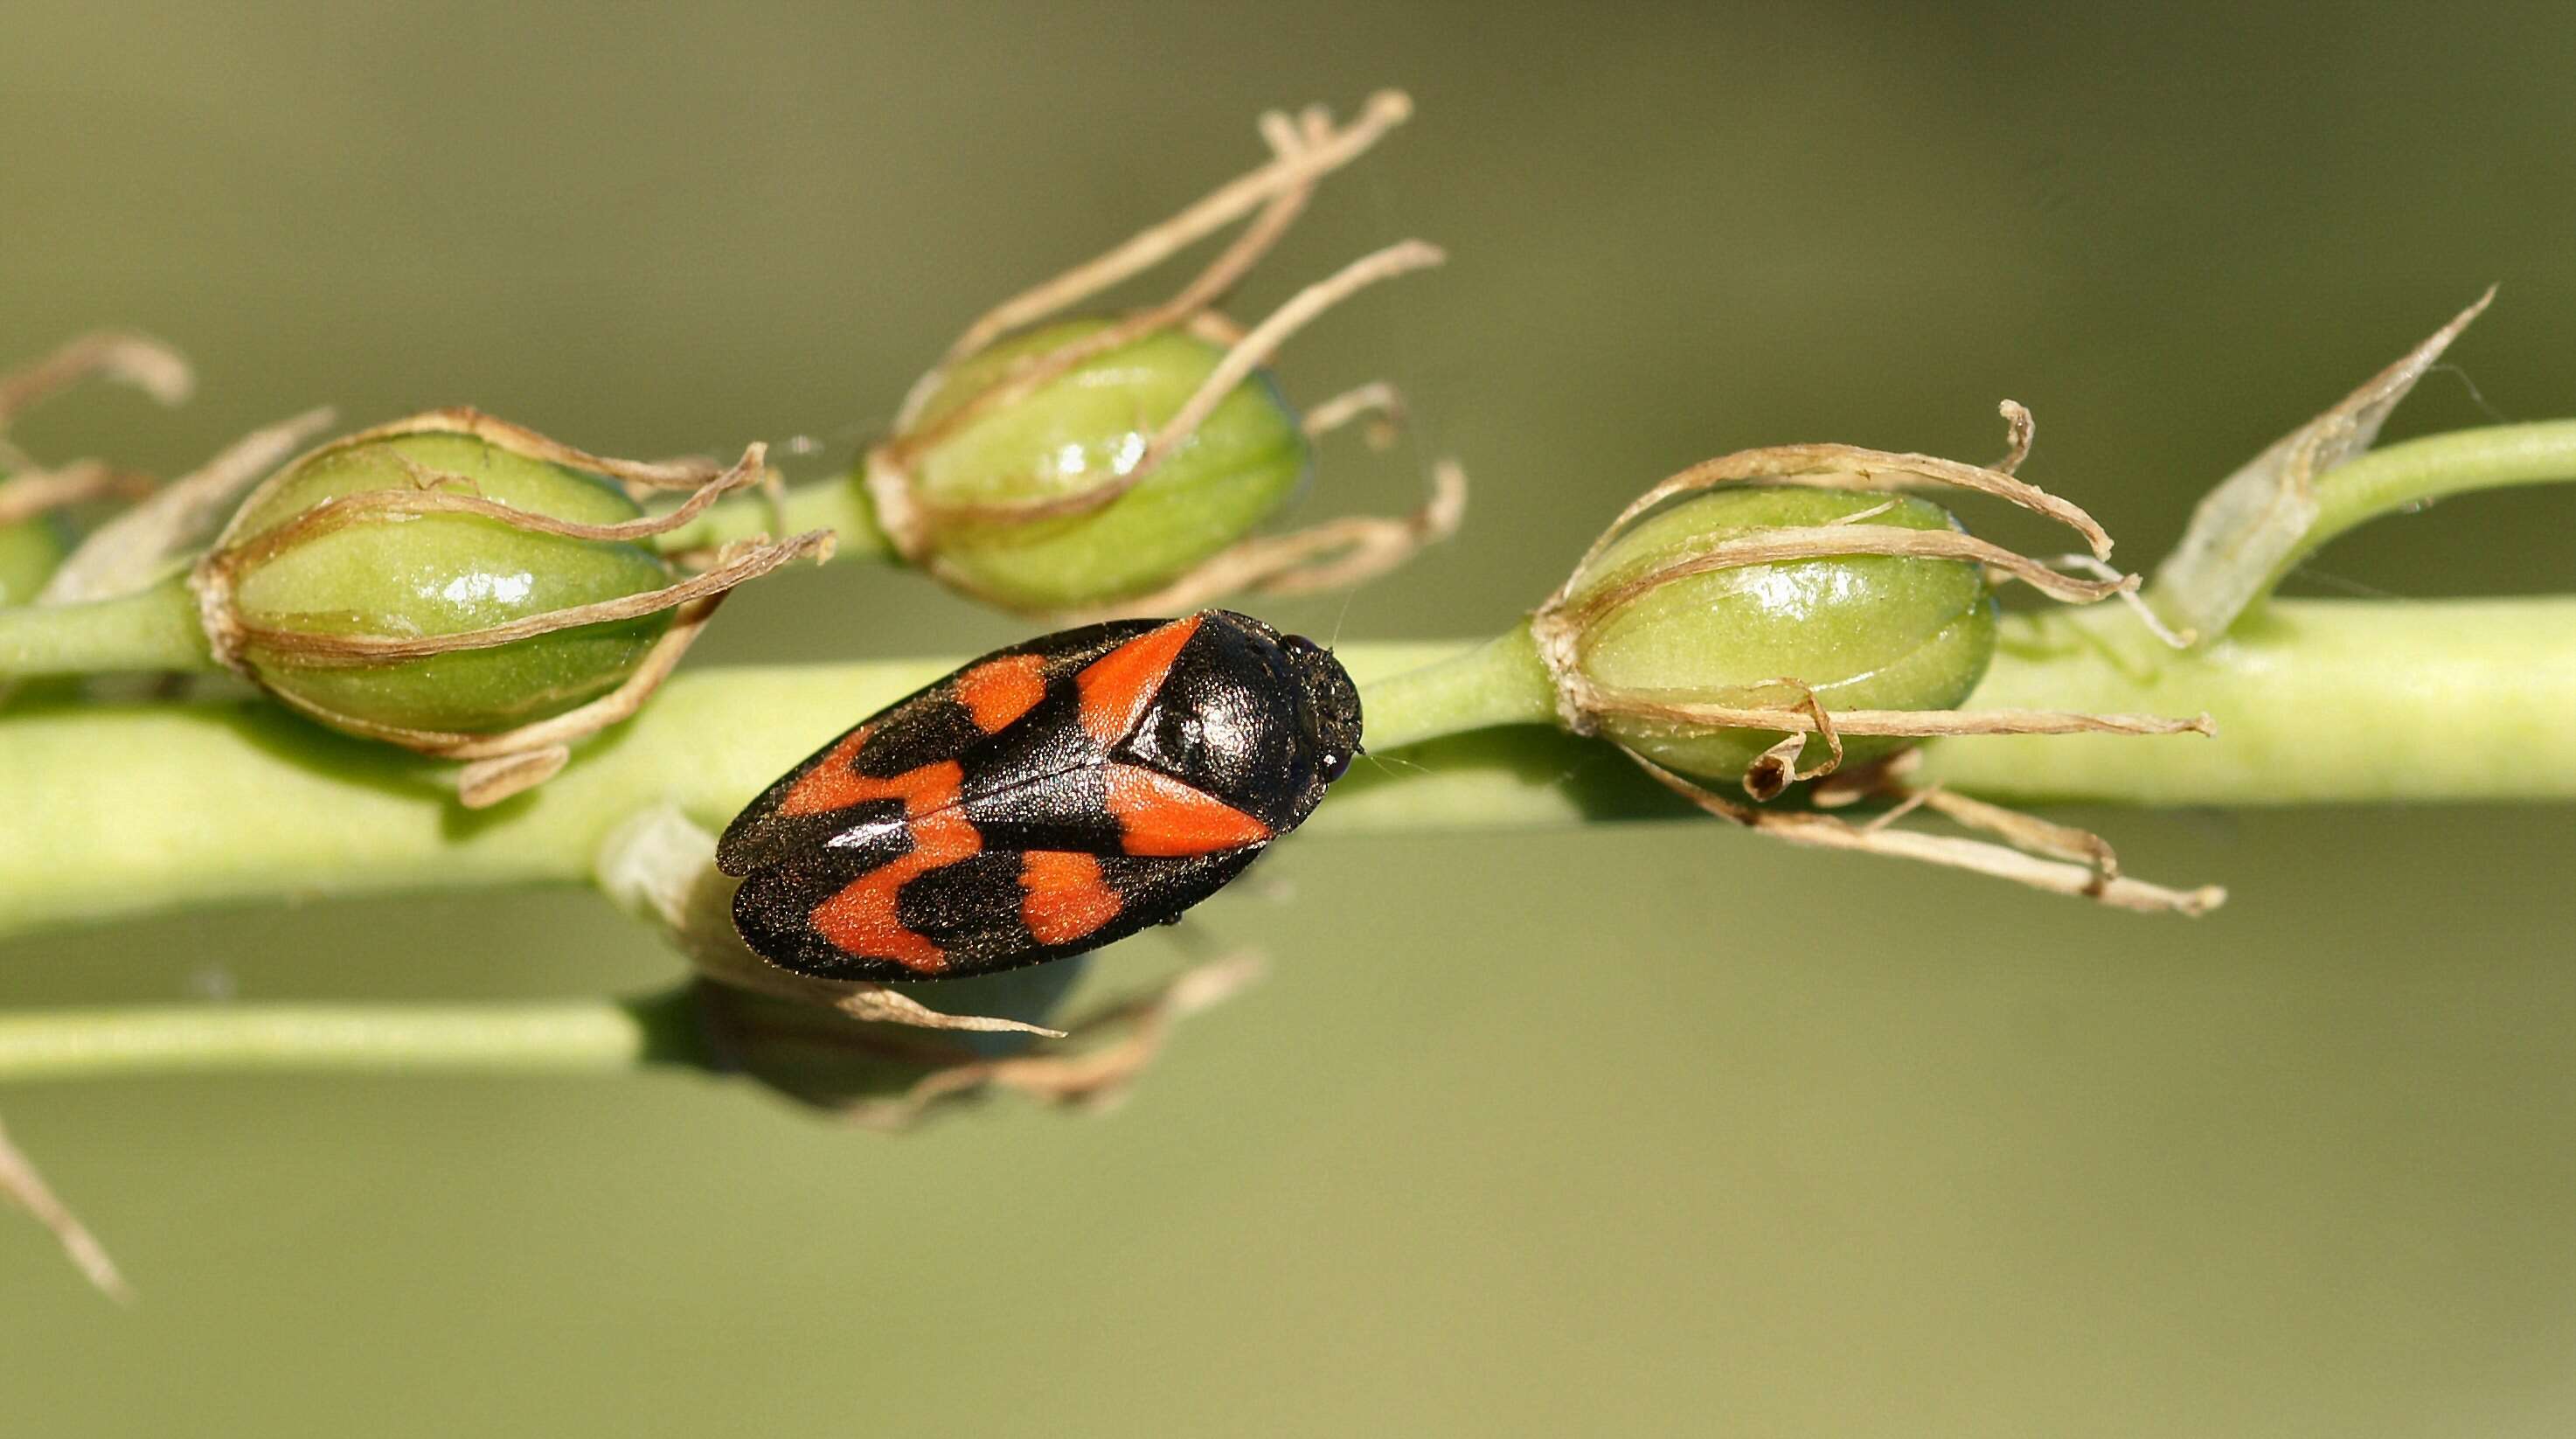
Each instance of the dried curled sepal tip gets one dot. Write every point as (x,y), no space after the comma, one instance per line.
(1902,630)
(28,493)
(1004,483)
(1336,554)
(1093,1066)
(137,360)
(28,489)
(885,1079)
(582,620)
(2034,852)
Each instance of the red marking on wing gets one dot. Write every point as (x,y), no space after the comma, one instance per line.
(1000,691)
(862,919)
(1067,898)
(832,784)
(1159,815)
(1118,686)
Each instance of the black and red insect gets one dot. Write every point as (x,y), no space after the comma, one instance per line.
(1042,801)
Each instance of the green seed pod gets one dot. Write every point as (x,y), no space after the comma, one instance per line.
(1813,617)
(1061,466)
(1011,493)
(1857,631)
(428,575)
(466,588)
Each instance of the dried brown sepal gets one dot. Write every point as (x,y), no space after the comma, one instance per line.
(28,489)
(138,360)
(1092,1066)
(2095,877)
(1806,542)
(1913,724)
(1776,768)
(2035,852)
(1335,554)
(515,760)
(22,1184)
(483,783)
(1378,403)
(1306,149)
(1850,467)
(2130,597)
(1194,299)
(1295,169)
(25,495)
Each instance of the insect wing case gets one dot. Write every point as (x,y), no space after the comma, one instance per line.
(1042,801)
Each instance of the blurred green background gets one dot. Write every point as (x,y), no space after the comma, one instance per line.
(1643,1130)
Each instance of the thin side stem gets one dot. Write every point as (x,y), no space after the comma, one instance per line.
(126,810)
(2409,475)
(2414,473)
(1501,681)
(839,505)
(151,629)
(556,1036)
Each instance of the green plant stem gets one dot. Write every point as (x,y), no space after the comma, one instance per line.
(1498,682)
(121,811)
(2412,473)
(136,809)
(581,1035)
(127,810)
(839,505)
(153,629)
